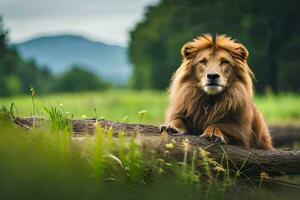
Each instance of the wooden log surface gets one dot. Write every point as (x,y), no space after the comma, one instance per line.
(249,162)
(281,135)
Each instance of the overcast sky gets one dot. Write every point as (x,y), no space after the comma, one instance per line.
(102,20)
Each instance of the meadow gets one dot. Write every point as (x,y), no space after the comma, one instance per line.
(117,104)
(47,163)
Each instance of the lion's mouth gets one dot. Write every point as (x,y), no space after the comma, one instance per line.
(213,88)
(213,85)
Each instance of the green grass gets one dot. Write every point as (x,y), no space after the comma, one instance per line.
(47,163)
(113,104)
(116,104)
(281,109)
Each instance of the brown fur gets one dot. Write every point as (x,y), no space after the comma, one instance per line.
(231,111)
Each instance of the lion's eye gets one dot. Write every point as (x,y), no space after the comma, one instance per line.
(224,62)
(203,61)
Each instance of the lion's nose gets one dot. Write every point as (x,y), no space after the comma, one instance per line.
(212,76)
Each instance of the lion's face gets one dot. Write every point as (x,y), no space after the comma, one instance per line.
(215,64)
(213,70)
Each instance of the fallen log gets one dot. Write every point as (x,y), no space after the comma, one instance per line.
(248,163)
(281,135)
(285,135)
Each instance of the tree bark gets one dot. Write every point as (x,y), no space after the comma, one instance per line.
(285,135)
(248,162)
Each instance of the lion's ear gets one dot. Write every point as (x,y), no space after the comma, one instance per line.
(242,52)
(188,50)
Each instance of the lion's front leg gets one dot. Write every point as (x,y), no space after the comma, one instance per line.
(175,127)
(214,134)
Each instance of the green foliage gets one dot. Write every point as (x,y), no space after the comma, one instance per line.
(3,39)
(7,114)
(78,79)
(269,29)
(58,120)
(16,74)
(11,85)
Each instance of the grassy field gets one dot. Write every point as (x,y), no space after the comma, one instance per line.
(48,163)
(116,104)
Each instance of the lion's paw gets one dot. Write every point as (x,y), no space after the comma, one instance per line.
(171,130)
(214,134)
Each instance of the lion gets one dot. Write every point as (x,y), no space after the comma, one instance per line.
(211,95)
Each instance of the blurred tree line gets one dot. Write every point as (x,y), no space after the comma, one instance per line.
(16,74)
(270,29)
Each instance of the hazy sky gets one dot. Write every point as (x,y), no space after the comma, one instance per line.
(103,20)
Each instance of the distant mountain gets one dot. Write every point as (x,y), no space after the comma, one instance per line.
(60,52)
